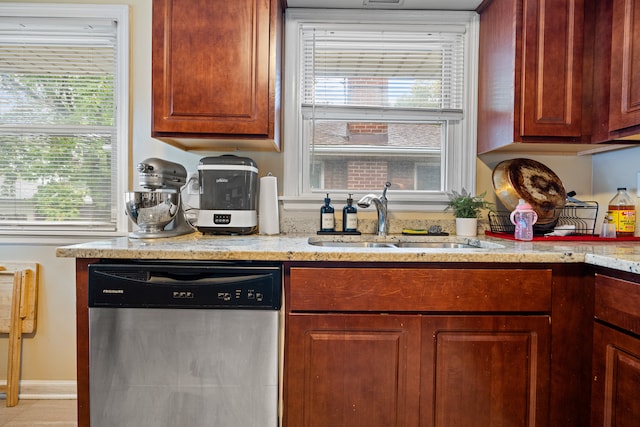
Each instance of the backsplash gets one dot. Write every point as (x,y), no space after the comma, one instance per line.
(306,222)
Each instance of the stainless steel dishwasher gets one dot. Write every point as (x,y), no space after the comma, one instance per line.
(184,344)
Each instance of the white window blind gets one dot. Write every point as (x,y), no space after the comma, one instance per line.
(58,123)
(383,68)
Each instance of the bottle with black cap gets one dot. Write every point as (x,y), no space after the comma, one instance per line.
(349,216)
(327,216)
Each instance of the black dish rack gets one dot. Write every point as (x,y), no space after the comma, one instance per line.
(582,215)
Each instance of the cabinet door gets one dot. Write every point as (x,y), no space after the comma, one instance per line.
(485,371)
(212,64)
(346,370)
(616,353)
(624,109)
(530,73)
(616,378)
(552,67)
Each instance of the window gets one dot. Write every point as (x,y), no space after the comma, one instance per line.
(63,118)
(379,96)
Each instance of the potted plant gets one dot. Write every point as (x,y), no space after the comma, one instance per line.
(467,208)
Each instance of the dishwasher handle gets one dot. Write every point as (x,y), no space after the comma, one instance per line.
(178,277)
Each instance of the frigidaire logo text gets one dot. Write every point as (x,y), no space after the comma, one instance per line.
(222,180)
(113,291)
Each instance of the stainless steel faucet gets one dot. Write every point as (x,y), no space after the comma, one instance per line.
(380,203)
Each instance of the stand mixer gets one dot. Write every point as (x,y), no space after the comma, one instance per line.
(158,210)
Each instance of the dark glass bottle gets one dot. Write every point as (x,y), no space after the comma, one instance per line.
(327,216)
(349,216)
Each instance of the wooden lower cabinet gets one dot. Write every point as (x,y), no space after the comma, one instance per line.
(485,371)
(352,370)
(359,351)
(414,370)
(616,352)
(616,378)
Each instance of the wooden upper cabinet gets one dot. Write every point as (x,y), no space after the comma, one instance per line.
(531,72)
(616,69)
(552,58)
(624,108)
(215,73)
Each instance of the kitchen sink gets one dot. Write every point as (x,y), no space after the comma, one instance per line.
(434,244)
(438,245)
(334,244)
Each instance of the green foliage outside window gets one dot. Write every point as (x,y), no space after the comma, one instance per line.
(58,139)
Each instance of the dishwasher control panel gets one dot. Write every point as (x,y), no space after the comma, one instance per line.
(185,286)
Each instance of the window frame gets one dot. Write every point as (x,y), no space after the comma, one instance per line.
(459,157)
(119,13)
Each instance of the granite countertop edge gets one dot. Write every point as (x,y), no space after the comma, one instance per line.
(623,255)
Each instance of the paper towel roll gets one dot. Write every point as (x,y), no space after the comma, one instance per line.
(268,217)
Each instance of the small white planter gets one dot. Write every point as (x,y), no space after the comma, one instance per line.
(467,226)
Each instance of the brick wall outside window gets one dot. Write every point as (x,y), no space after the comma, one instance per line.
(368,133)
(365,174)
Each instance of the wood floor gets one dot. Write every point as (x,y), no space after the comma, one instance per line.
(34,413)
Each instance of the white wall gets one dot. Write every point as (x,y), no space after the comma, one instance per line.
(49,353)
(616,169)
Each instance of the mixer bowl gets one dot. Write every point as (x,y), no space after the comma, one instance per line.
(151,210)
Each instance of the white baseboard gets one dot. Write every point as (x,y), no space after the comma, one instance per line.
(36,390)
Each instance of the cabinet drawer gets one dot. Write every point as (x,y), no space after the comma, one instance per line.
(418,290)
(618,302)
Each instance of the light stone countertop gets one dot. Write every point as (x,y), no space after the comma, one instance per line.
(623,255)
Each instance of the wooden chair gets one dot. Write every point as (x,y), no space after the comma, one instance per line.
(18,306)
